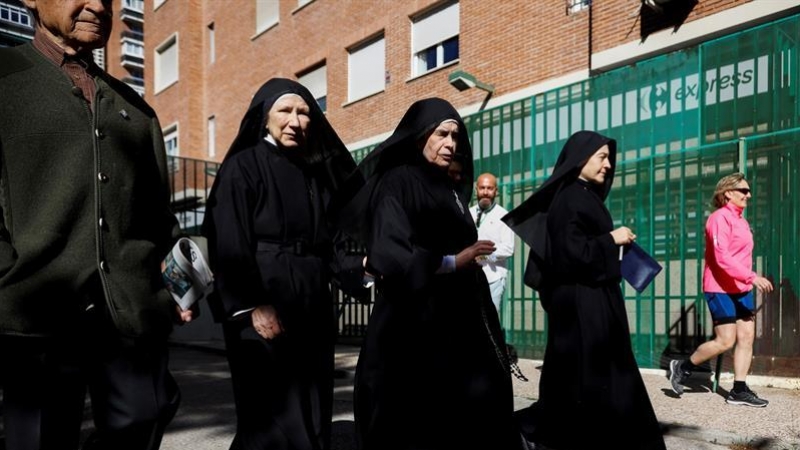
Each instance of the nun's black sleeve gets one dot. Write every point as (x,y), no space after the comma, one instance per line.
(347,266)
(580,247)
(237,277)
(395,254)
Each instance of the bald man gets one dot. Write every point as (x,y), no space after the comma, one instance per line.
(487,214)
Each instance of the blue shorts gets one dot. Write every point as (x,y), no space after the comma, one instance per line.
(728,308)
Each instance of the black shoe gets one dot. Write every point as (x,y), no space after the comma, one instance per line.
(746,398)
(677,376)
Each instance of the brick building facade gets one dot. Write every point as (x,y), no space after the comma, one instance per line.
(519,47)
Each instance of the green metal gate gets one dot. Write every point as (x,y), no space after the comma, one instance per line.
(681,121)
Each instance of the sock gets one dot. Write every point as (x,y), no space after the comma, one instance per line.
(739,386)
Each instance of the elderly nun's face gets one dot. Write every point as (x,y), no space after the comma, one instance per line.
(441,144)
(287,121)
(595,169)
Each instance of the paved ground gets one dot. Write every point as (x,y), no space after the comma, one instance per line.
(700,420)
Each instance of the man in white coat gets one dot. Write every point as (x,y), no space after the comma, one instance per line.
(487,214)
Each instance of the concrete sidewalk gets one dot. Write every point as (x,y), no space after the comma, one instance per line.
(702,419)
(699,420)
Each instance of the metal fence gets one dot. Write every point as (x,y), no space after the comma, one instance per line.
(681,121)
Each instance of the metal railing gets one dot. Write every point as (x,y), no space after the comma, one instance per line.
(190,183)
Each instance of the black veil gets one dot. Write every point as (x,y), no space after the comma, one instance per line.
(401,148)
(325,153)
(529,219)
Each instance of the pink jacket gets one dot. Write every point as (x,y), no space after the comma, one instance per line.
(729,252)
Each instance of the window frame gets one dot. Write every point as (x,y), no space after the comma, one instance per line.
(423,20)
(212,43)
(262,28)
(159,85)
(211,136)
(313,69)
(354,49)
(169,132)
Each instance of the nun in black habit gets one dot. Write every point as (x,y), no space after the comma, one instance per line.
(432,373)
(591,393)
(270,222)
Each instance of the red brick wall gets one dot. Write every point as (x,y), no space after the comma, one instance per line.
(183,101)
(618,22)
(510,44)
(113,46)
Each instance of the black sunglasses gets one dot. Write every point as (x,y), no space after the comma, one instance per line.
(743,191)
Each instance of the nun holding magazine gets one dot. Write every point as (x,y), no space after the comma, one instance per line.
(274,246)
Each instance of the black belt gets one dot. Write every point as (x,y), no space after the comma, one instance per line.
(299,247)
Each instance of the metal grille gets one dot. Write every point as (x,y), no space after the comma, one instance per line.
(681,121)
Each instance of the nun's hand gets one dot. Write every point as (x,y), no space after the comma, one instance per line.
(623,236)
(468,255)
(265,322)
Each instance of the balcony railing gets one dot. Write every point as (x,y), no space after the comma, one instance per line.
(139,89)
(132,54)
(190,185)
(132,10)
(135,81)
(133,5)
(133,36)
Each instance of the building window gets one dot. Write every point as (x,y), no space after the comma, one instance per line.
(212,136)
(136,5)
(171,146)
(434,38)
(574,6)
(157,3)
(366,65)
(15,14)
(212,45)
(166,63)
(267,14)
(316,80)
(301,3)
(132,48)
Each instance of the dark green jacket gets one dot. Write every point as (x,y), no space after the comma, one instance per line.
(83,197)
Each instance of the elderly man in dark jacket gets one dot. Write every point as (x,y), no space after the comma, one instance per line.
(84,225)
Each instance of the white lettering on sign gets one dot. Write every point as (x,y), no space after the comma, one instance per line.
(720,85)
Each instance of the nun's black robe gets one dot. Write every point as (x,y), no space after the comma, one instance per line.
(273,247)
(271,240)
(591,391)
(431,374)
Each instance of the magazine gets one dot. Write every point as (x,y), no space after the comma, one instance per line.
(186,273)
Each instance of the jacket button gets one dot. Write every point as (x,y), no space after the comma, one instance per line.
(99,134)
(102,177)
(101,222)
(103,266)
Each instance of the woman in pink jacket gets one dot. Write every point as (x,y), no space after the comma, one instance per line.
(728,281)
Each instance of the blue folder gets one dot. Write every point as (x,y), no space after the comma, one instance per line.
(638,267)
